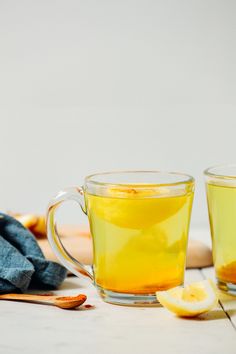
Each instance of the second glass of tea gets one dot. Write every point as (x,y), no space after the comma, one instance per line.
(221,197)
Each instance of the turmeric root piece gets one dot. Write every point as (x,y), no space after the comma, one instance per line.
(39,229)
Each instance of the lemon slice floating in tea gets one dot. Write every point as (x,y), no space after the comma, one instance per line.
(190,301)
(137,208)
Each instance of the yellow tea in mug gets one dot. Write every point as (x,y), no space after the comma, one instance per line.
(139,222)
(139,237)
(222,214)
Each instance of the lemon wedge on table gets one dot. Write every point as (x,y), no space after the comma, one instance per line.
(189,301)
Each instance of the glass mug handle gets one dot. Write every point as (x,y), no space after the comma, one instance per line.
(72,264)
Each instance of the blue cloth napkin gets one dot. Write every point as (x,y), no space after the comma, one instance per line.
(22,263)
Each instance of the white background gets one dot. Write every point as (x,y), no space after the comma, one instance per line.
(89,86)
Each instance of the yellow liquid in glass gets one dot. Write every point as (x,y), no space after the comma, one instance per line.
(139,240)
(222,214)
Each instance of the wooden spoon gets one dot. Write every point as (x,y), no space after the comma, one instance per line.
(64,302)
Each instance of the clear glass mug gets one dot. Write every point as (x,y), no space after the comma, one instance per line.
(139,222)
(221,198)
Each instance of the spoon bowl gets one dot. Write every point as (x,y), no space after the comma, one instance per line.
(69,302)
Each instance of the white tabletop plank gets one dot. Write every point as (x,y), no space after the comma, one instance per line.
(31,328)
(228,302)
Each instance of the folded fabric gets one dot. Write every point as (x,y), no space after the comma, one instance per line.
(22,263)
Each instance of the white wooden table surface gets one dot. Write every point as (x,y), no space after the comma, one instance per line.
(109,329)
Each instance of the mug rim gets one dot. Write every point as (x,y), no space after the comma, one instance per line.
(208,172)
(187,179)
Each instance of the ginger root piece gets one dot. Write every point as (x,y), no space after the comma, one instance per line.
(35,223)
(199,255)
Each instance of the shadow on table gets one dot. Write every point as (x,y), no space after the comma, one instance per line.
(231,312)
(69,285)
(224,297)
(212,315)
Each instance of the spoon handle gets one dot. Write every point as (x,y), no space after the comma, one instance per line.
(27,297)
